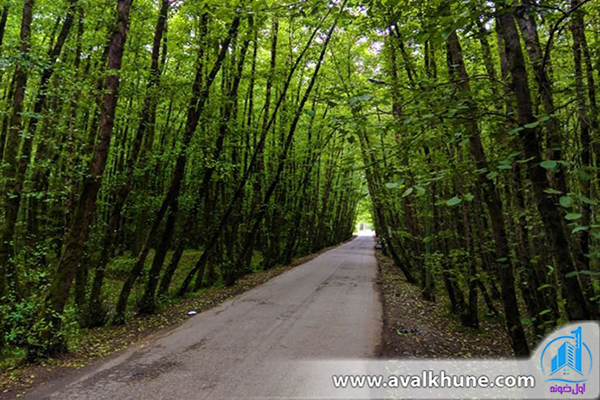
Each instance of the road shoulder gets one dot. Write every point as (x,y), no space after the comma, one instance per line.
(415,328)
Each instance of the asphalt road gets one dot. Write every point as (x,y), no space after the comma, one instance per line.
(328,308)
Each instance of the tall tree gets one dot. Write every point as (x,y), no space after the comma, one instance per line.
(96,312)
(50,340)
(197,103)
(8,273)
(494,205)
(577,306)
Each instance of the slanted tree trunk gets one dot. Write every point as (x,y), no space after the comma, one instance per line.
(96,313)
(3,19)
(494,205)
(249,242)
(147,304)
(3,268)
(258,183)
(588,124)
(239,191)
(427,283)
(41,98)
(197,103)
(50,340)
(528,27)
(208,173)
(12,190)
(577,306)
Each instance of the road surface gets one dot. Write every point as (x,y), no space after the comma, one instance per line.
(327,308)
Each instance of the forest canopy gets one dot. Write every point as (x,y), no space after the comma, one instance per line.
(152,148)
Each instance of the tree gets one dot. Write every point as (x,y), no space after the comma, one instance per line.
(76,238)
(206,140)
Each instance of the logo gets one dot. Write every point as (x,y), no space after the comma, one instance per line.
(567,359)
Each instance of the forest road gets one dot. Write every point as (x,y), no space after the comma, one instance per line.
(327,308)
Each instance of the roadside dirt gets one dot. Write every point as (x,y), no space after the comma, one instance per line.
(416,328)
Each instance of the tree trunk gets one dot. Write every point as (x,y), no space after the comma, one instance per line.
(147,304)
(197,103)
(239,191)
(576,304)
(587,118)
(216,153)
(249,242)
(12,190)
(96,313)
(51,342)
(3,19)
(528,27)
(494,205)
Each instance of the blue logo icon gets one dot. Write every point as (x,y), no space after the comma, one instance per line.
(567,359)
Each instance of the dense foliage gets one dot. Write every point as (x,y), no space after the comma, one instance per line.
(167,126)
(134,132)
(483,163)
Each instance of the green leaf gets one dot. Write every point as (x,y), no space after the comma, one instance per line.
(532,125)
(469,197)
(549,164)
(515,131)
(492,175)
(573,216)
(586,200)
(527,321)
(580,229)
(454,201)
(582,272)
(364,97)
(447,32)
(391,185)
(566,201)
(552,191)
(506,165)
(546,286)
(583,176)
(420,190)
(407,192)
(526,160)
